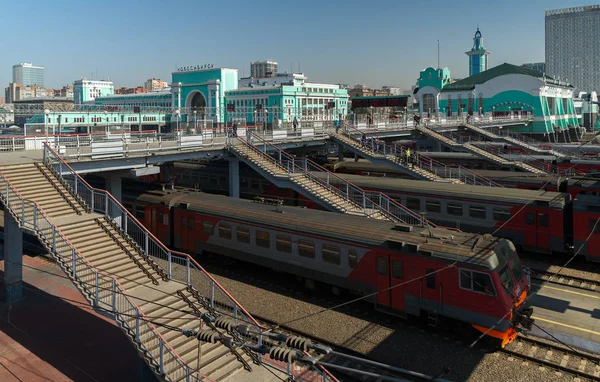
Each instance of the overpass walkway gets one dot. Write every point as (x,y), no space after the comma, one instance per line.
(317,184)
(420,166)
(477,150)
(122,269)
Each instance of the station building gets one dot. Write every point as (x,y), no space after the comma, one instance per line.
(503,90)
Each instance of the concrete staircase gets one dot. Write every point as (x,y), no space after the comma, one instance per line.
(99,242)
(310,186)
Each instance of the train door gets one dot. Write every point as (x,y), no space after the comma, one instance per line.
(530,228)
(543,230)
(184,232)
(153,221)
(390,273)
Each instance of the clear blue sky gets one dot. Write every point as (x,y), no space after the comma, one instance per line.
(376,42)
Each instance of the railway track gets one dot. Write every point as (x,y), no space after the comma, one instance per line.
(571,281)
(554,356)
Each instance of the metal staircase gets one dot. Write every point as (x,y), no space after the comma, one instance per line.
(526,162)
(506,138)
(121,268)
(557,150)
(472,148)
(419,165)
(316,183)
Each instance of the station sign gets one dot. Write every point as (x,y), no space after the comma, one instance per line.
(195,67)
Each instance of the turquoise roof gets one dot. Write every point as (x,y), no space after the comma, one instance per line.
(469,83)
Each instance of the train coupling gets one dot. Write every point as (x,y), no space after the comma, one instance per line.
(522,318)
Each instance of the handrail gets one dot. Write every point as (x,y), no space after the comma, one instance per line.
(188,258)
(363,195)
(523,158)
(429,164)
(57,231)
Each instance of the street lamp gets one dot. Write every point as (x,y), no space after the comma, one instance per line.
(177,114)
(493,111)
(195,121)
(106,119)
(46,113)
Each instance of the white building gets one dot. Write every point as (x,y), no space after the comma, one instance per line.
(85,90)
(572,36)
(155,84)
(276,80)
(261,69)
(27,74)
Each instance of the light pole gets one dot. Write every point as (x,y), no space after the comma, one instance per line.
(106,119)
(480,111)
(371,110)
(266,120)
(493,111)
(195,121)
(177,114)
(46,113)
(509,113)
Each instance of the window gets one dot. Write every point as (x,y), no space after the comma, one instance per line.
(283,243)
(382,265)
(454,209)
(263,239)
(543,220)
(208,227)
(501,214)
(153,215)
(477,282)
(397,269)
(413,203)
(243,235)
(352,258)
(593,224)
(529,218)
(331,254)
(433,206)
(506,279)
(477,212)
(224,231)
(306,248)
(430,278)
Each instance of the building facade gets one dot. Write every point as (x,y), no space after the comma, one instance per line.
(155,84)
(571,48)
(477,55)
(85,90)
(537,66)
(262,69)
(504,90)
(27,74)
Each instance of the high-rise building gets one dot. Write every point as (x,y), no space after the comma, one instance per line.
(571,53)
(27,74)
(262,69)
(537,66)
(477,55)
(155,84)
(85,90)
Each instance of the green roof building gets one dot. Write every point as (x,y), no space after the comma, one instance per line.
(503,90)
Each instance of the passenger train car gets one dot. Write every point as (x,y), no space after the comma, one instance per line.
(475,279)
(535,220)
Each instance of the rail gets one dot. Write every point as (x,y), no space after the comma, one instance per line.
(101,289)
(419,161)
(367,201)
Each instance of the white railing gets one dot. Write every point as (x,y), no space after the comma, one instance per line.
(369,202)
(190,273)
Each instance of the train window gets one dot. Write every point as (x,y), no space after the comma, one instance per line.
(184,222)
(224,231)
(501,214)
(139,213)
(454,209)
(154,215)
(263,239)
(506,279)
(433,206)
(430,278)
(192,223)
(352,258)
(243,235)
(283,243)
(543,220)
(595,228)
(331,254)
(160,218)
(529,218)
(306,248)
(465,279)
(413,203)
(477,212)
(412,248)
(208,227)
(397,269)
(477,282)
(382,265)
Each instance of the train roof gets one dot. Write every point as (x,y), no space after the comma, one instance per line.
(441,243)
(460,191)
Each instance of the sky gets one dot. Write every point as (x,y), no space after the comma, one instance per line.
(376,42)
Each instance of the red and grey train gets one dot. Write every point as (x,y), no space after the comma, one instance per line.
(435,273)
(535,220)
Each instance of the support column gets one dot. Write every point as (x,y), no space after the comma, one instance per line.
(340,150)
(13,259)
(113,185)
(234,177)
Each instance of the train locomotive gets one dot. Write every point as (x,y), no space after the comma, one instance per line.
(430,272)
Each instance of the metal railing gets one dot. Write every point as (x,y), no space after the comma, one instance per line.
(319,178)
(516,157)
(543,146)
(419,163)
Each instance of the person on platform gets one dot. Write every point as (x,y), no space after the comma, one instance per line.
(363,140)
(235,126)
(408,159)
(295,123)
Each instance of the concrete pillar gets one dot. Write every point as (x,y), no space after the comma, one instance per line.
(13,259)
(340,150)
(234,177)
(113,185)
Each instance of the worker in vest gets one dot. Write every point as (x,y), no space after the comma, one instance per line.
(408,156)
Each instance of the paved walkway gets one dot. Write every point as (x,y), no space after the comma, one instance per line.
(50,339)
